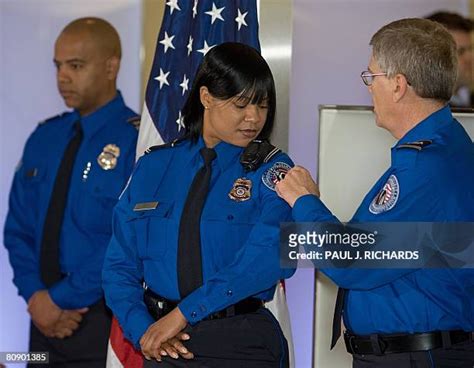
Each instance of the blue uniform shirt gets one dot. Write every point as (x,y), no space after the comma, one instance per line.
(239,239)
(93,192)
(434,184)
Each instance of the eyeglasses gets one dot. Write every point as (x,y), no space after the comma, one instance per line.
(368,77)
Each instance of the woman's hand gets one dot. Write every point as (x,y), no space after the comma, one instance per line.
(175,348)
(166,328)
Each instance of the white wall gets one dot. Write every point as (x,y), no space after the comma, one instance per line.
(28,29)
(330,49)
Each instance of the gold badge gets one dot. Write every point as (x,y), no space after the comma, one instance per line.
(241,190)
(108,158)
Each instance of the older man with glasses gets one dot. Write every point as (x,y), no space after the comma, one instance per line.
(407,317)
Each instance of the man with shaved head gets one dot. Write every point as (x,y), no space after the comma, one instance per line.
(72,171)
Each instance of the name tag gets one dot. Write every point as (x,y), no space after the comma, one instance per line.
(146,206)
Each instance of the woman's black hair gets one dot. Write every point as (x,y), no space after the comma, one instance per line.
(228,70)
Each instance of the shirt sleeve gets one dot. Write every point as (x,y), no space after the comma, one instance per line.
(310,208)
(122,273)
(256,266)
(19,235)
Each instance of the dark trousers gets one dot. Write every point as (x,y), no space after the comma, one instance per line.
(457,356)
(253,340)
(87,347)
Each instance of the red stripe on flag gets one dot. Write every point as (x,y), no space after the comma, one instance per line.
(123,349)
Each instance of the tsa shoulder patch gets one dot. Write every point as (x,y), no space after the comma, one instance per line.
(274,174)
(387,198)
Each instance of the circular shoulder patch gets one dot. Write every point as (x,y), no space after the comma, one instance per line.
(386,199)
(274,174)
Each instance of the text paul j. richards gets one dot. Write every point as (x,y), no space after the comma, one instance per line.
(368,255)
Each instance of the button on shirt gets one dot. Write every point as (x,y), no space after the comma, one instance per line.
(93,192)
(436,184)
(239,239)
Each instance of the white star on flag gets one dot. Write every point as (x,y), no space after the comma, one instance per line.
(167,42)
(163,78)
(205,48)
(241,19)
(190,45)
(215,13)
(180,121)
(195,10)
(184,84)
(173,4)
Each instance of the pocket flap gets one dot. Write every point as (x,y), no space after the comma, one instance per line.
(235,213)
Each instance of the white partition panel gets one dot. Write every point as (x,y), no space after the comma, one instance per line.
(353,154)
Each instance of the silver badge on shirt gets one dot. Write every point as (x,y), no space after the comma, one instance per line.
(108,158)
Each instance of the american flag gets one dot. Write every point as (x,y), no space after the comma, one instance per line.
(189,29)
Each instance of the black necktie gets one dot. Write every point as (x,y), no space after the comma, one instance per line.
(336,322)
(189,241)
(49,259)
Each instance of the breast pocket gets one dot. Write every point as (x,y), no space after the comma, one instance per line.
(230,224)
(95,201)
(153,228)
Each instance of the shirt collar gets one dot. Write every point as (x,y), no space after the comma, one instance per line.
(427,128)
(93,122)
(226,153)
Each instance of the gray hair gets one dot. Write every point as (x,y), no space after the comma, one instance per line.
(423,51)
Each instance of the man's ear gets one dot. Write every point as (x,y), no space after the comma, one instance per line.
(399,87)
(205,96)
(112,67)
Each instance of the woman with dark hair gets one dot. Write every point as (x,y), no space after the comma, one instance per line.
(199,224)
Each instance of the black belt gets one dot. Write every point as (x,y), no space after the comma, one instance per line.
(387,344)
(159,306)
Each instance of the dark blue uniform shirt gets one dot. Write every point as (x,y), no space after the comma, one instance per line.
(93,192)
(239,239)
(434,184)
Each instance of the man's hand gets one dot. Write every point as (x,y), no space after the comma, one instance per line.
(44,312)
(68,322)
(160,332)
(51,320)
(297,183)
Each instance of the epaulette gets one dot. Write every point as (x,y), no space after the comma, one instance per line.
(135,121)
(418,145)
(256,153)
(50,119)
(161,146)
